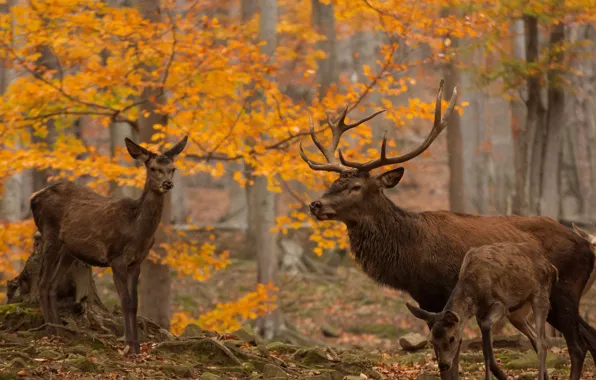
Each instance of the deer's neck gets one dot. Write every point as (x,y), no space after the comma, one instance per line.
(382,241)
(462,301)
(149,209)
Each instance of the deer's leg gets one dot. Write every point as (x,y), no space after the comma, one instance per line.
(486,322)
(540,306)
(520,321)
(120,271)
(564,316)
(133,280)
(50,259)
(64,263)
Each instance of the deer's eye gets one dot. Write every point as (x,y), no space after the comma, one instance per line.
(356,188)
(452,339)
(153,170)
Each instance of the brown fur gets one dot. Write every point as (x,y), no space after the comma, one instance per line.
(591,239)
(76,222)
(495,281)
(422,253)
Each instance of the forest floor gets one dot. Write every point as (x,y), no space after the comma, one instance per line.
(353,326)
(207,356)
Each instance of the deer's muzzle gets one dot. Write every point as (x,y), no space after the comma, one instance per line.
(321,211)
(167,186)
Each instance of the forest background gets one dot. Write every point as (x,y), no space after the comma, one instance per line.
(243,79)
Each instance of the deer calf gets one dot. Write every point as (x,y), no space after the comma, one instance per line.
(495,281)
(77,223)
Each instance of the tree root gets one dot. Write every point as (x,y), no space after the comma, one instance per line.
(226,350)
(94,337)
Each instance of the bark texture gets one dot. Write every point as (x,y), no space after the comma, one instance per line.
(264,200)
(155,292)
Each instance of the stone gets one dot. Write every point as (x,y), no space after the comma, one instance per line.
(209,376)
(192,331)
(330,331)
(247,334)
(413,342)
(271,371)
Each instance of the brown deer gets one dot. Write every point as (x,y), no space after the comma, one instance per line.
(592,240)
(495,281)
(77,223)
(421,253)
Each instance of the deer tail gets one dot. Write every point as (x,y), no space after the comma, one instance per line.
(34,202)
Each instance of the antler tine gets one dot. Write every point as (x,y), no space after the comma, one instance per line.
(438,125)
(338,128)
(333,165)
(318,165)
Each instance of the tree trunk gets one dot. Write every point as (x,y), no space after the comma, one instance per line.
(366,48)
(78,302)
(323,20)
(119,131)
(46,62)
(519,128)
(155,281)
(476,121)
(77,293)
(455,149)
(580,118)
(535,118)
(265,201)
(11,202)
(249,9)
(550,203)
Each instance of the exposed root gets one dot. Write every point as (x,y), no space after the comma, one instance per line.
(226,350)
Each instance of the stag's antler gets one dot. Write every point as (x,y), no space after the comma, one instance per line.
(439,124)
(337,129)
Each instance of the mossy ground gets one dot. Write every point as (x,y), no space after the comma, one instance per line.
(368,318)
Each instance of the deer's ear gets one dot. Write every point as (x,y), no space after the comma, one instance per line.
(391,178)
(427,316)
(583,234)
(138,152)
(450,318)
(176,149)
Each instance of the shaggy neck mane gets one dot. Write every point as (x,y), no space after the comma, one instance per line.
(381,237)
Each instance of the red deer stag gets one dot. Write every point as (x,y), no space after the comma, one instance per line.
(77,223)
(489,288)
(421,253)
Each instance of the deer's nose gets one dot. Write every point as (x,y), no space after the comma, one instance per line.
(167,185)
(314,206)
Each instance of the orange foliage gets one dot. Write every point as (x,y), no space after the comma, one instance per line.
(207,70)
(229,317)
